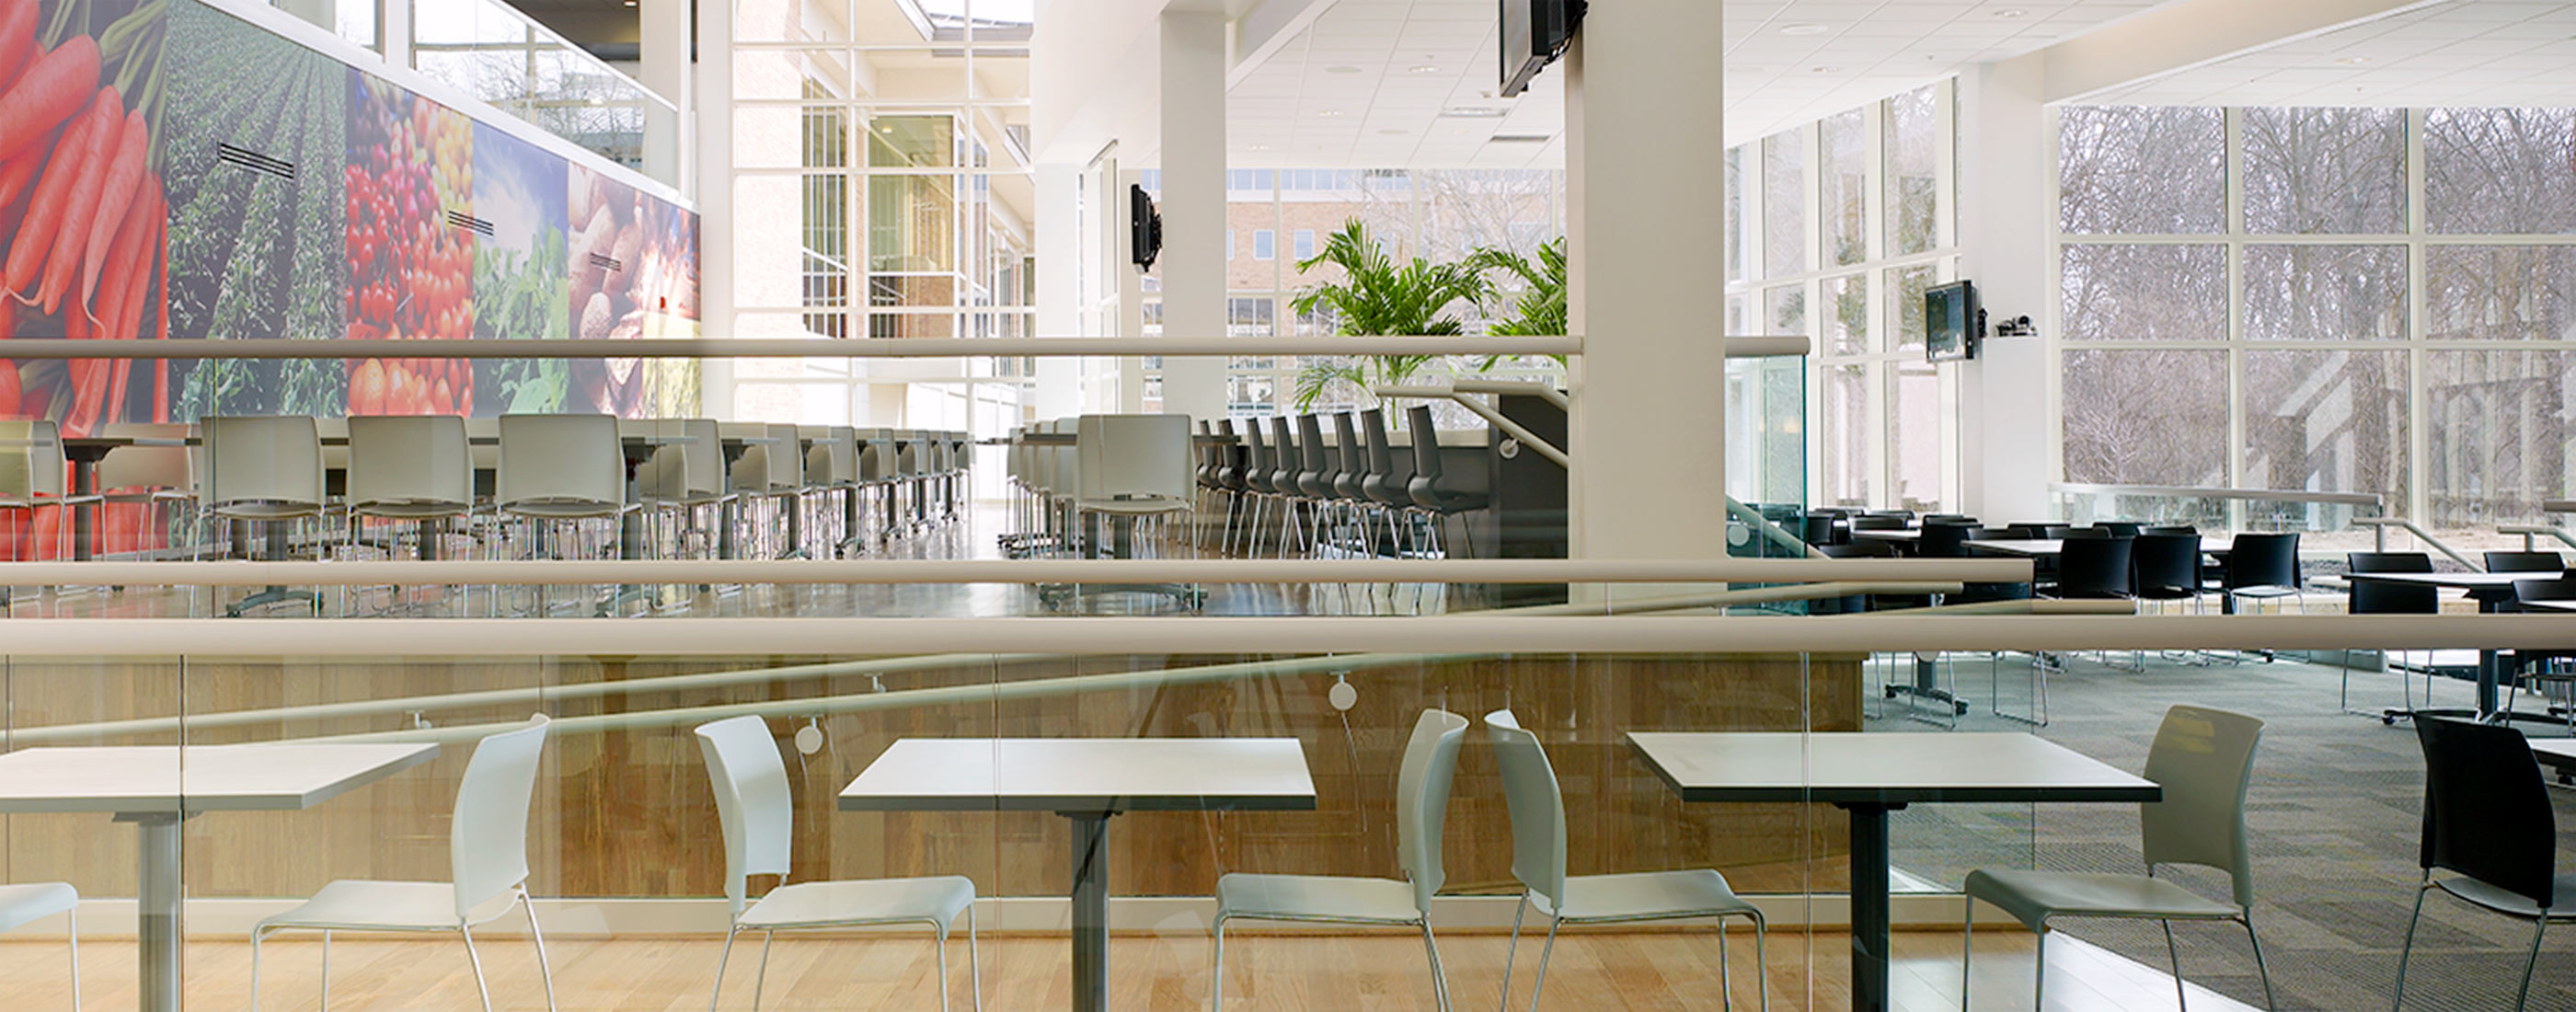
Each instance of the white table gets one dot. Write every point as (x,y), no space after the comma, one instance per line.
(157,787)
(1870,775)
(1086,780)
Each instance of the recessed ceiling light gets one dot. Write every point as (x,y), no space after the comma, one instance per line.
(1423,69)
(1824,70)
(1257,147)
(1341,70)
(1474,112)
(1803,28)
(1390,132)
(2353,61)
(2012,12)
(1329,113)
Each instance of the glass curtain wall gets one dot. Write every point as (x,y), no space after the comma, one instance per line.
(882,190)
(2319,299)
(1835,230)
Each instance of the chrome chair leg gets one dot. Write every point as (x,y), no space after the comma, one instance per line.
(1439,975)
(2408,951)
(1216,978)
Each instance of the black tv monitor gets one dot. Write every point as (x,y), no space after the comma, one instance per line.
(1535,33)
(1951,322)
(1145,224)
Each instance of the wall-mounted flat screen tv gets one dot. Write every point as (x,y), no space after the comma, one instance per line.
(1951,322)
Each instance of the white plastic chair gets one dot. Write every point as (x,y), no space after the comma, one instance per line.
(267,472)
(31,476)
(684,476)
(753,801)
(410,468)
(560,469)
(771,469)
(1421,812)
(26,901)
(487,850)
(1538,861)
(153,475)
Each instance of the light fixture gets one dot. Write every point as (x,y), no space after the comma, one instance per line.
(1803,28)
(1342,70)
(2353,61)
(1824,70)
(1474,112)
(1423,69)
(2012,12)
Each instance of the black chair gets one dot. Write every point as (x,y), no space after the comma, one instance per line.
(1428,487)
(1944,541)
(1876,522)
(1315,466)
(2544,668)
(1820,529)
(1257,471)
(2165,567)
(2487,816)
(2118,528)
(2371,597)
(1904,515)
(2170,529)
(2094,568)
(2262,567)
(1950,518)
(1286,461)
(2525,562)
(2095,533)
(1380,484)
(2037,531)
(1976,593)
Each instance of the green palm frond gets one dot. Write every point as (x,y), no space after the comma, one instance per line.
(1378,298)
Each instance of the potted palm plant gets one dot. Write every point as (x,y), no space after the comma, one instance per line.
(1378,298)
(1538,309)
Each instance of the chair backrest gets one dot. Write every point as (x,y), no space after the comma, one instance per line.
(1425,434)
(1422,800)
(752,801)
(2486,808)
(2038,530)
(2118,528)
(1352,458)
(263,459)
(487,841)
(1256,456)
(1285,456)
(1134,457)
(2165,563)
(2562,588)
(2094,567)
(421,460)
(2170,529)
(1818,529)
(1538,810)
(2263,560)
(2525,562)
(31,458)
(2204,759)
(2370,597)
(1310,441)
(1957,519)
(1876,522)
(1381,450)
(831,454)
(171,467)
(1943,541)
(560,459)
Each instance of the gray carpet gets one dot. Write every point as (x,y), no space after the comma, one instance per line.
(2334,815)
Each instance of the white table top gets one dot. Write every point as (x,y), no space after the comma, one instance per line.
(1887,767)
(1084,775)
(2465,581)
(2034,547)
(132,779)
(1901,534)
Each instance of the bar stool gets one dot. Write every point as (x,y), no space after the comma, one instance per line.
(561,469)
(1287,459)
(153,476)
(772,471)
(684,477)
(832,473)
(265,473)
(1430,490)
(409,469)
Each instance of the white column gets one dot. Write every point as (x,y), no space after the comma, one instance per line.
(714,86)
(1193,207)
(2004,421)
(1642,94)
(393,28)
(663,51)
(1059,249)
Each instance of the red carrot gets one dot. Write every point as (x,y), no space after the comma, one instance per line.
(56,87)
(129,322)
(161,304)
(124,176)
(123,271)
(17,175)
(123,308)
(106,128)
(17,40)
(35,237)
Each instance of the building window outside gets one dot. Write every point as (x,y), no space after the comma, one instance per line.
(1265,244)
(1305,244)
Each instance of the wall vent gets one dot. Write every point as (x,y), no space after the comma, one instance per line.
(254,161)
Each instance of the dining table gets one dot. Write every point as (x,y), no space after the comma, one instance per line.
(1088,781)
(1870,775)
(158,787)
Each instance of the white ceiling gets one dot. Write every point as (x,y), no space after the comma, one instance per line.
(1369,82)
(2486,52)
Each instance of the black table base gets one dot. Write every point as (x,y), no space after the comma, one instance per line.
(1869,903)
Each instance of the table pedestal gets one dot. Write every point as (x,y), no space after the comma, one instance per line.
(1869,914)
(157,908)
(1090,910)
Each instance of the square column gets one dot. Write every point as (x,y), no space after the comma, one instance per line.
(1193,263)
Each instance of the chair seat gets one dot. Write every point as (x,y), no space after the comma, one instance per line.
(27,901)
(1649,895)
(266,509)
(1333,898)
(562,509)
(1132,506)
(2032,897)
(2265,590)
(411,509)
(2516,904)
(937,899)
(366,905)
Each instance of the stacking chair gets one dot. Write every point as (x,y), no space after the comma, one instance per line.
(487,853)
(880,469)
(1421,813)
(1256,483)
(832,473)
(31,478)
(1133,467)
(410,468)
(1382,485)
(27,901)
(1350,467)
(1230,486)
(1538,863)
(772,471)
(2488,817)
(2262,567)
(2038,530)
(2119,528)
(1430,489)
(264,472)
(2094,568)
(755,805)
(2203,759)
(683,479)
(560,469)
(2545,668)
(157,477)
(2370,597)
(1287,459)
(2525,562)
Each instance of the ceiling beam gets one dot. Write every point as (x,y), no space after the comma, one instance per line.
(2195,33)
(1265,30)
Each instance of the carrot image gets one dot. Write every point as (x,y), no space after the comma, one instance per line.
(35,236)
(124,176)
(125,269)
(107,123)
(16,175)
(17,40)
(48,92)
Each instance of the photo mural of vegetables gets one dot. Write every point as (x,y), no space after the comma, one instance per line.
(81,203)
(256,212)
(631,253)
(411,267)
(521,274)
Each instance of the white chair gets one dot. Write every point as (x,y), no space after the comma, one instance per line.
(410,468)
(1538,861)
(26,901)
(770,469)
(684,477)
(487,850)
(264,472)
(155,476)
(832,472)
(31,476)
(560,469)
(1421,812)
(753,801)
(1133,467)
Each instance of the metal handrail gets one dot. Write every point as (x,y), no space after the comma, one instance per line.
(813,572)
(792,347)
(2379,533)
(2529,531)
(1515,430)
(2371,499)
(1771,532)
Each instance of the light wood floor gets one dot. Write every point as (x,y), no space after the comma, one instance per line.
(1606,970)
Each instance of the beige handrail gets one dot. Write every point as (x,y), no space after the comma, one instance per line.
(1495,418)
(2371,499)
(2531,531)
(2379,534)
(240,573)
(794,347)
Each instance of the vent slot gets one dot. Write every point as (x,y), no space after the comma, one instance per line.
(1520,139)
(254,161)
(469,223)
(609,264)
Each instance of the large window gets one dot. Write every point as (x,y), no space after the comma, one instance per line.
(2335,300)
(1848,234)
